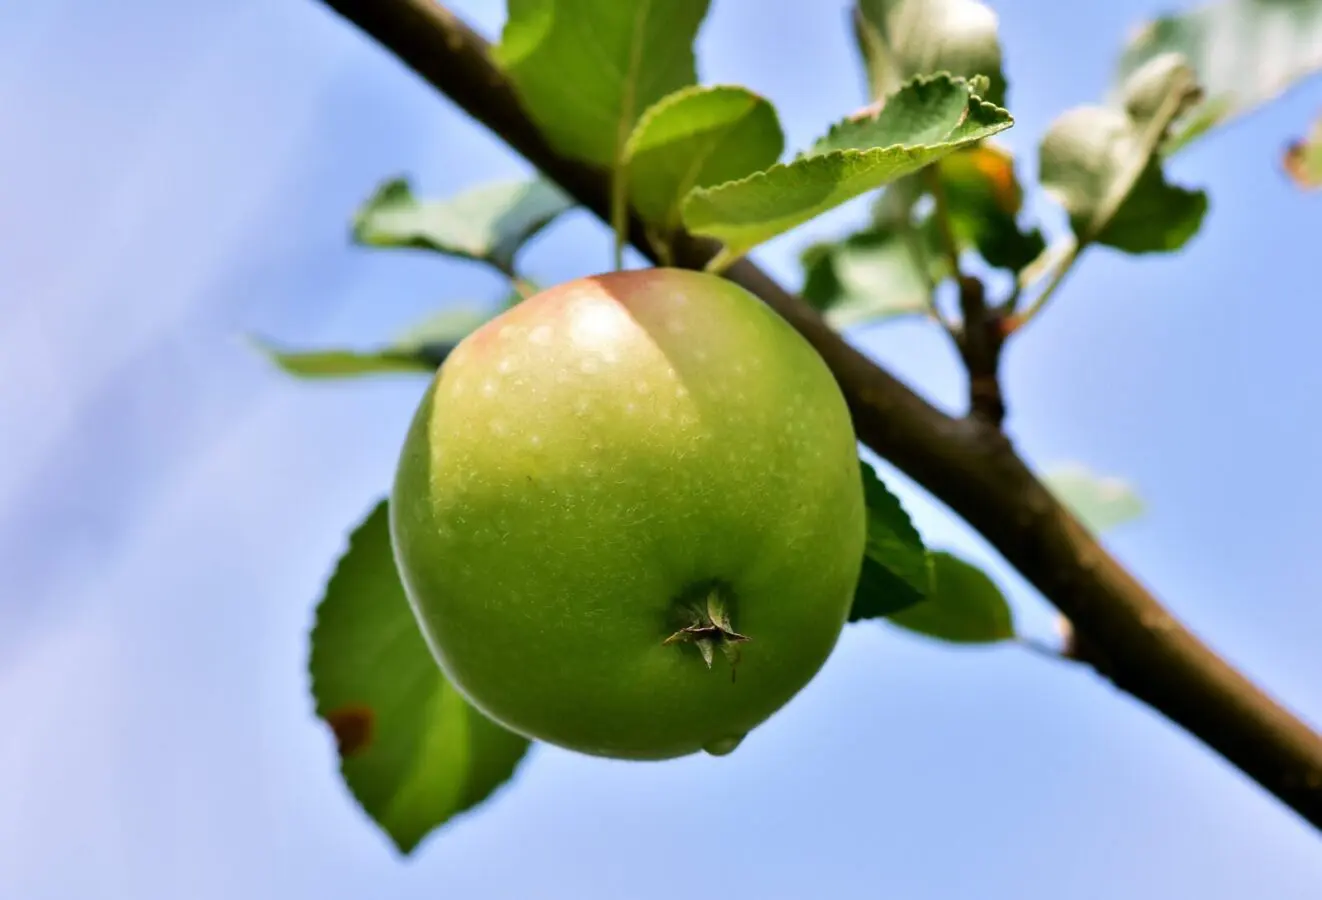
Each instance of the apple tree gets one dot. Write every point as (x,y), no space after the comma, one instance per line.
(631,517)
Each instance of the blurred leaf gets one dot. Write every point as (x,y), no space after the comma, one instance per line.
(871,275)
(586,69)
(448,326)
(1093,154)
(1146,92)
(902,38)
(895,568)
(984,197)
(488,223)
(413,752)
(1245,53)
(348,363)
(964,606)
(1101,503)
(982,175)
(696,137)
(422,349)
(1303,159)
(927,119)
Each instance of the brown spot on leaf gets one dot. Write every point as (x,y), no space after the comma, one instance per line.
(353,726)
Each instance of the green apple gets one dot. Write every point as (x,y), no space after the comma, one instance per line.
(629,514)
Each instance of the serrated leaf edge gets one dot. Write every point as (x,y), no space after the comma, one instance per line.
(850,152)
(974,100)
(870,477)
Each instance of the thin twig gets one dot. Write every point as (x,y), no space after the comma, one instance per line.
(980,339)
(1149,143)
(523,286)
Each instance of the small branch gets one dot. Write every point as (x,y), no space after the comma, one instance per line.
(980,342)
(968,465)
(1062,268)
(981,337)
(1149,144)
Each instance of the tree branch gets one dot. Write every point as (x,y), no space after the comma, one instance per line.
(980,340)
(968,464)
(980,337)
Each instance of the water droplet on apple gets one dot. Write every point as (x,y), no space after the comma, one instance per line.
(723,746)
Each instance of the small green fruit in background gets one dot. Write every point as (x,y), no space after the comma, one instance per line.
(629,514)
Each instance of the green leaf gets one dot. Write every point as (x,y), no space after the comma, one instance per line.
(696,137)
(887,270)
(489,223)
(1156,217)
(927,119)
(1245,53)
(586,69)
(338,363)
(421,349)
(899,39)
(1152,84)
(964,606)
(1091,153)
(984,198)
(449,326)
(871,275)
(1101,503)
(413,752)
(1303,159)
(895,567)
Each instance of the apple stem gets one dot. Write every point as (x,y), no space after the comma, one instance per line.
(709,628)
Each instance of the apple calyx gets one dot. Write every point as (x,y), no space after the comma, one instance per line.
(709,628)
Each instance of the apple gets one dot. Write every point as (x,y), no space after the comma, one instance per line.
(629,514)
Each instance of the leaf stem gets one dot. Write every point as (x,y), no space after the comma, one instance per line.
(522,286)
(661,242)
(1041,648)
(1149,144)
(619,219)
(1069,256)
(720,261)
(619,213)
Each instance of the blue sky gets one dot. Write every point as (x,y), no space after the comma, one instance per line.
(176,175)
